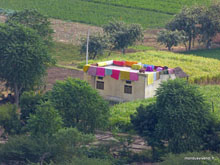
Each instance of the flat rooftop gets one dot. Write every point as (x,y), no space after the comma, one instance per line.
(124,68)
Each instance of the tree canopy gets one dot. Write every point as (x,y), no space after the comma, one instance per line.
(179,117)
(34,20)
(79,105)
(24,57)
(123,35)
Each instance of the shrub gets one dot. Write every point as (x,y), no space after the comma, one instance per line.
(63,145)
(45,122)
(9,119)
(28,104)
(79,105)
(179,117)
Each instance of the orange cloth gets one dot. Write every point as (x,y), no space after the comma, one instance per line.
(130,63)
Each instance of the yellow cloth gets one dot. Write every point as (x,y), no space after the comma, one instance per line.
(150,78)
(102,63)
(136,66)
(124,75)
(86,67)
(130,63)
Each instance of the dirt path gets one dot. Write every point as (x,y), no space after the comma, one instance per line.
(57,73)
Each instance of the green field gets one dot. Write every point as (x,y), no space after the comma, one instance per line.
(89,12)
(120,113)
(164,6)
(213,53)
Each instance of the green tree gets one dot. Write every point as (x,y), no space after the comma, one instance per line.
(180,117)
(97,44)
(186,21)
(209,21)
(34,20)
(24,58)
(123,35)
(79,105)
(170,38)
(45,122)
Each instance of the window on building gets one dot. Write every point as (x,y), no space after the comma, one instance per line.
(128,89)
(100,78)
(100,85)
(128,82)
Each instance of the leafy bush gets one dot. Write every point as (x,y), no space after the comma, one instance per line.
(9,119)
(28,104)
(66,144)
(79,105)
(45,122)
(184,159)
(180,117)
(87,161)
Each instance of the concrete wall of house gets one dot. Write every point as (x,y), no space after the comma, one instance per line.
(150,90)
(114,89)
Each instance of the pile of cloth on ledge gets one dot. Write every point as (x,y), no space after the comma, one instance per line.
(154,72)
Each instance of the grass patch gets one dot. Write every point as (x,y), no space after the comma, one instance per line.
(212,53)
(164,6)
(66,54)
(141,48)
(120,113)
(212,94)
(89,12)
(201,70)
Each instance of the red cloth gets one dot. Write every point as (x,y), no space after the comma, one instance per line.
(119,63)
(115,74)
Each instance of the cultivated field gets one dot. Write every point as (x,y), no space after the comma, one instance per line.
(148,13)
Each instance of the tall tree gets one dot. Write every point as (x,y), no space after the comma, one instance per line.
(123,35)
(34,20)
(179,117)
(209,21)
(186,21)
(170,38)
(24,58)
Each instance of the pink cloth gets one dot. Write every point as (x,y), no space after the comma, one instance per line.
(133,76)
(100,72)
(92,71)
(115,74)
(170,71)
(119,63)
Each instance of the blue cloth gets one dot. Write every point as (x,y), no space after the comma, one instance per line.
(155,76)
(108,72)
(145,66)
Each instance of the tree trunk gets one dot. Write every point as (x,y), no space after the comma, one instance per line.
(123,50)
(16,94)
(190,42)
